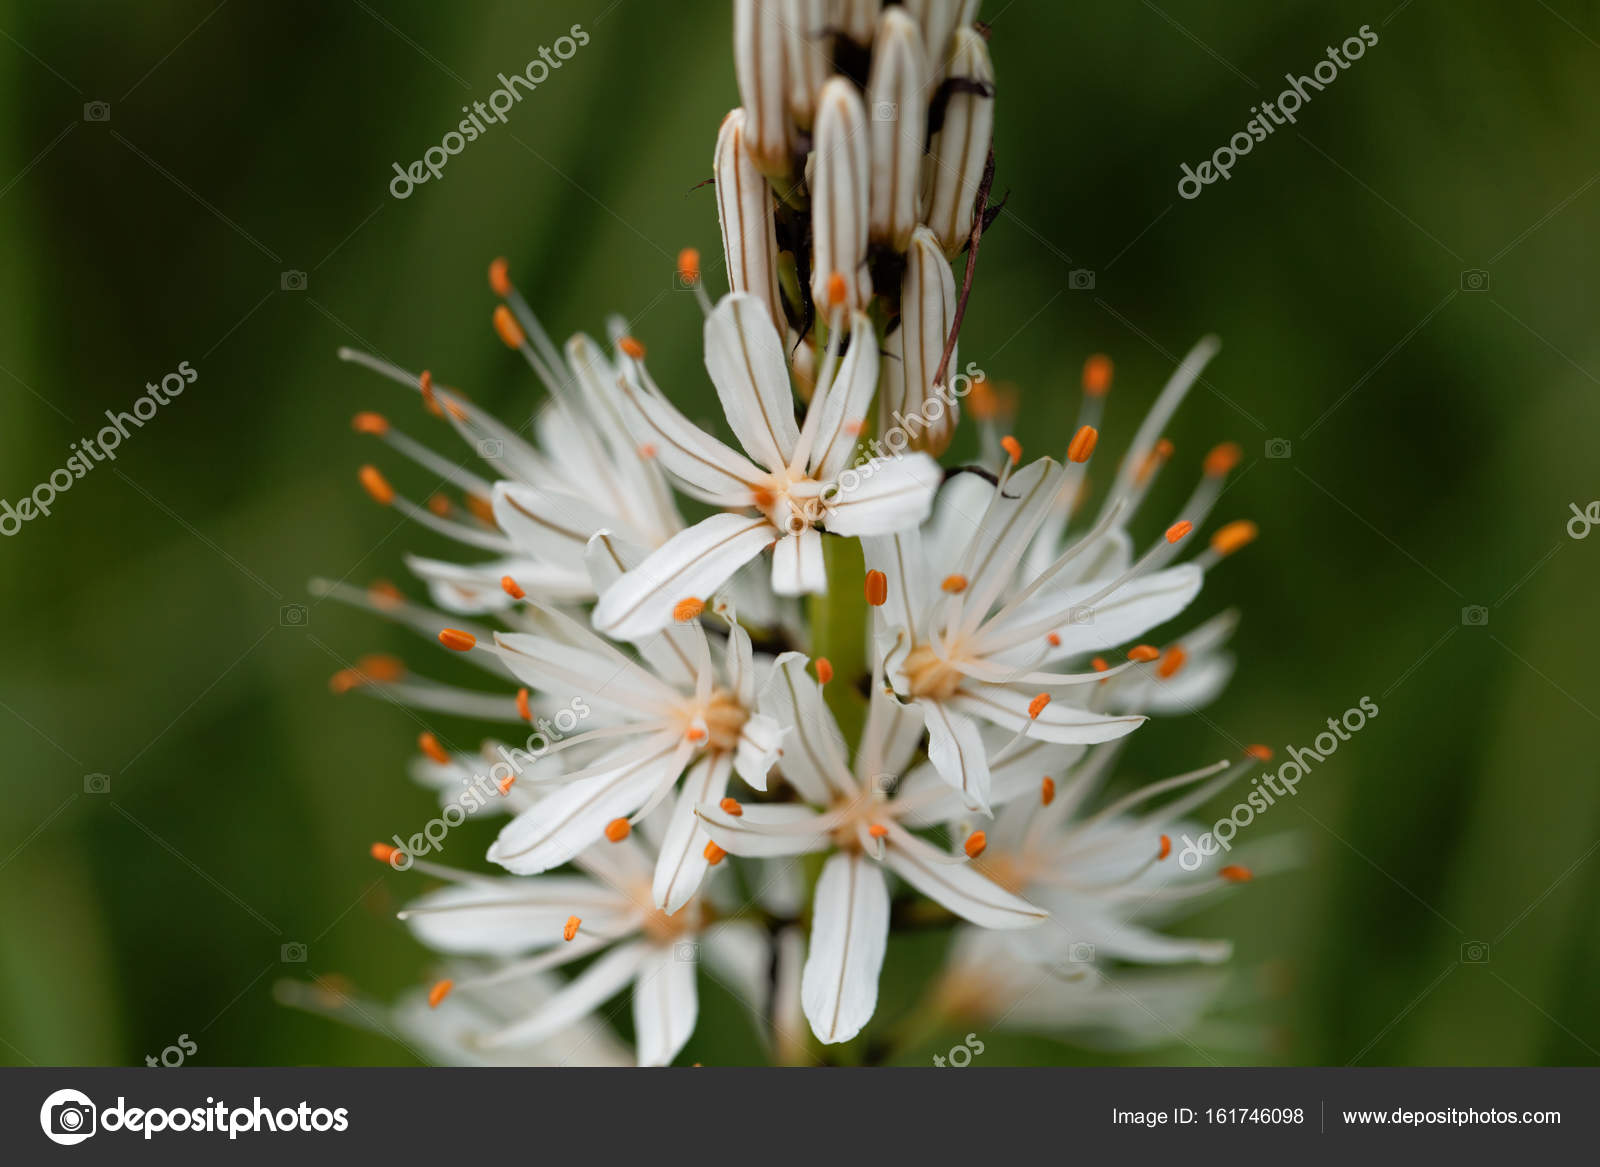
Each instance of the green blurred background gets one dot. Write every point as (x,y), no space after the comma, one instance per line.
(1438,436)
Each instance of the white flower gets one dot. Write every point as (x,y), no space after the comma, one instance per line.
(541,923)
(862,818)
(803,481)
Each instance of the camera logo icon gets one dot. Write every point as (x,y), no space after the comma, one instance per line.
(1474,279)
(1475,615)
(1080,279)
(686,951)
(884,111)
(67,1117)
(97,111)
(292,280)
(491,448)
(293,953)
(293,615)
(1475,952)
(1080,614)
(1279,448)
(97,783)
(1081,952)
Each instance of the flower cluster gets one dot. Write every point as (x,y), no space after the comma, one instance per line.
(885,687)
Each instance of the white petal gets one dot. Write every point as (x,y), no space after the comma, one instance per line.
(693,563)
(760,744)
(596,671)
(846,403)
(686,451)
(839,193)
(904,564)
(1057,722)
(955,747)
(669,652)
(744,356)
(766,830)
(1009,523)
(546,524)
(591,988)
(849,932)
(682,863)
(897,96)
(958,886)
(505,917)
(561,824)
(665,1003)
(814,754)
(744,212)
(882,496)
(1129,612)
(797,566)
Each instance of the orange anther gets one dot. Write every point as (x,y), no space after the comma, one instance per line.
(854,426)
(954,584)
(1222,459)
(1178,530)
(439,992)
(688,609)
(1259,753)
(975,844)
(377,485)
(1237,534)
(877,588)
(506,325)
(632,347)
(1234,873)
(1047,791)
(381,667)
(1082,444)
(571,928)
(429,745)
(506,784)
(1166,847)
(695,734)
(1036,706)
(618,830)
(499,278)
(482,509)
(689,265)
(457,640)
(763,498)
(370,423)
(384,852)
(714,854)
(512,588)
(524,709)
(346,679)
(838,289)
(384,594)
(877,830)
(425,383)
(439,505)
(1143,653)
(731,806)
(647,451)
(1097,375)
(1054,640)
(1099,665)
(824,670)
(1012,447)
(1171,662)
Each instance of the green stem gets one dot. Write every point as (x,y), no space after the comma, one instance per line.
(839,632)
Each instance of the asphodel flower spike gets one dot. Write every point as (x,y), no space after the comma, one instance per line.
(759,65)
(897,106)
(960,150)
(911,401)
(744,212)
(839,181)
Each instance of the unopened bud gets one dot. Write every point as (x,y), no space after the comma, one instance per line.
(744,212)
(961,148)
(926,413)
(839,194)
(898,108)
(758,64)
(808,58)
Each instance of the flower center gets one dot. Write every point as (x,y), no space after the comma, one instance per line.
(929,676)
(724,716)
(791,504)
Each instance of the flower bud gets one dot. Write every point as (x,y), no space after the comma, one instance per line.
(937,21)
(744,211)
(807,55)
(924,411)
(758,64)
(856,20)
(960,150)
(897,105)
(839,195)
